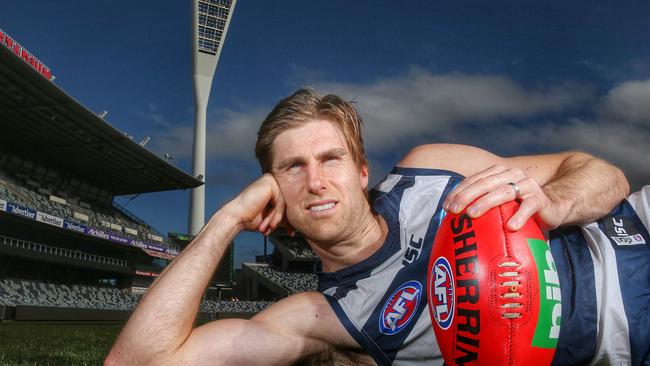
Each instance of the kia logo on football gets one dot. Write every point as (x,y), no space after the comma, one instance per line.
(441,292)
(400,308)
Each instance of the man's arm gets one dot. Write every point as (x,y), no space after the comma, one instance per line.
(563,188)
(160,331)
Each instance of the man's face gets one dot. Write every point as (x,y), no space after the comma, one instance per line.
(322,186)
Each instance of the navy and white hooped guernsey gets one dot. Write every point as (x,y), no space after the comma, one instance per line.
(604,270)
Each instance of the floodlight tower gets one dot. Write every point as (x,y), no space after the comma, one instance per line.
(211,21)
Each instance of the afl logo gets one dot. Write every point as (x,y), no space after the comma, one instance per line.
(400,308)
(442,292)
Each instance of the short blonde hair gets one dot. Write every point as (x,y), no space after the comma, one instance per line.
(301,107)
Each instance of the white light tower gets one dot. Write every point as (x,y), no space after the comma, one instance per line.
(211,20)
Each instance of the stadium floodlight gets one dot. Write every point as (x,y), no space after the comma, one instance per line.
(211,21)
(144,141)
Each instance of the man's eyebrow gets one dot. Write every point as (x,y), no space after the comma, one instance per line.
(337,152)
(288,162)
(283,164)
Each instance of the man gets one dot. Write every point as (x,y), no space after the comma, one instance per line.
(315,181)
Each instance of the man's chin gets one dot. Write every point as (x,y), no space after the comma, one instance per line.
(325,236)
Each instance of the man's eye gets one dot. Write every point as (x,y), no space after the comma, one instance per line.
(295,165)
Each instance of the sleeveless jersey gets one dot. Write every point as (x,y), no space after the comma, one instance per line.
(604,270)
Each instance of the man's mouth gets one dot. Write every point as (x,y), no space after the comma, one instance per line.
(324,207)
(321,206)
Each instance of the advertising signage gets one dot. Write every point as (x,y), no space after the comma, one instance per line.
(26,212)
(21,52)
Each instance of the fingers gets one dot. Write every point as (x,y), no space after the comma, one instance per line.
(274,214)
(265,225)
(490,188)
(276,217)
(451,203)
(502,194)
(493,180)
(529,206)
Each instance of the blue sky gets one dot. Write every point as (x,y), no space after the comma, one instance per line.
(512,77)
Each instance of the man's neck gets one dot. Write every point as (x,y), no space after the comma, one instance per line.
(365,241)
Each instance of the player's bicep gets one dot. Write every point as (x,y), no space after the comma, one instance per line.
(468,160)
(241,342)
(461,159)
(289,330)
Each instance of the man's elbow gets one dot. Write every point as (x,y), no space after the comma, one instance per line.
(620,188)
(623,183)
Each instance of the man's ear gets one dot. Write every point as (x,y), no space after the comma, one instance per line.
(363,176)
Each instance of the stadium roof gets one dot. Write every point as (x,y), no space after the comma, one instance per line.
(40,122)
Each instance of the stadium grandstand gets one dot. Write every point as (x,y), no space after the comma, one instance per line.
(288,270)
(67,250)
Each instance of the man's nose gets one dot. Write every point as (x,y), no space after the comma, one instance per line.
(314,179)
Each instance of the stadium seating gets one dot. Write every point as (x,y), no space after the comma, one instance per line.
(211,306)
(293,281)
(62,252)
(15,292)
(29,193)
(296,246)
(302,252)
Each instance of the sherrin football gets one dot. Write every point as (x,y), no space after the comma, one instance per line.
(494,294)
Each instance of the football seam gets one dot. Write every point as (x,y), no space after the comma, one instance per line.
(506,240)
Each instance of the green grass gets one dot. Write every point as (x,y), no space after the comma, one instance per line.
(56,343)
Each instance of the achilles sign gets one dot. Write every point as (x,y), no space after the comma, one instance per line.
(16,48)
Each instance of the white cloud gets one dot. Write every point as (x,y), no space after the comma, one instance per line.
(416,104)
(619,132)
(420,104)
(491,111)
(230,135)
(629,101)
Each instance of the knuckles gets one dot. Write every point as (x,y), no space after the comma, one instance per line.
(489,181)
(517,173)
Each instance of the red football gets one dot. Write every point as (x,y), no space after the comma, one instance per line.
(494,294)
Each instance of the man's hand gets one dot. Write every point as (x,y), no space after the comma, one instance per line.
(260,207)
(491,187)
(556,189)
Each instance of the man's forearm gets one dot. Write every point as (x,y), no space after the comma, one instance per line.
(586,188)
(165,315)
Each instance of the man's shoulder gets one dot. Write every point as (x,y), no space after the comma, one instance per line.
(310,315)
(309,300)
(313,317)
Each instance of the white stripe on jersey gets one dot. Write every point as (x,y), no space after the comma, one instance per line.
(613,344)
(417,207)
(388,183)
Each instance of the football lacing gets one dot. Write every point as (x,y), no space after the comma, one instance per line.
(512,291)
(508,264)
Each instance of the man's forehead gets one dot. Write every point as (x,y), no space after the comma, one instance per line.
(312,137)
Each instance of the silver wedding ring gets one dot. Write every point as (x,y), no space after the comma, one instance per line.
(517,191)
